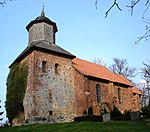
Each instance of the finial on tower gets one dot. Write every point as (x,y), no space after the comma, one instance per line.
(43,13)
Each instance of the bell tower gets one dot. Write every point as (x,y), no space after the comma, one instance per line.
(41,29)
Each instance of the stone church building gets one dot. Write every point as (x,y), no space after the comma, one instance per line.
(61,86)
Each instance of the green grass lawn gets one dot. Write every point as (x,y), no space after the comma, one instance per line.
(115,126)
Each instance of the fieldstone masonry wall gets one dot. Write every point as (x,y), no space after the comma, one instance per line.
(29,101)
(50,95)
(18,120)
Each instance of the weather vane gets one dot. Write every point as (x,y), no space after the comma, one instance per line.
(43,4)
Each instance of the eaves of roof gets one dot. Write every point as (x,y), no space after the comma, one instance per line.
(44,46)
(125,80)
(136,90)
(42,19)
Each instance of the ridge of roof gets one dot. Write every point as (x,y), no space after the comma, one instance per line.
(91,69)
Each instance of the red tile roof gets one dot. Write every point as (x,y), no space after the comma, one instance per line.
(90,69)
(136,90)
(125,79)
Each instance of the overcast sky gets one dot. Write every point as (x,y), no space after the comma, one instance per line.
(83,30)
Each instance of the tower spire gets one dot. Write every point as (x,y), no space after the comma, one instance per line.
(43,13)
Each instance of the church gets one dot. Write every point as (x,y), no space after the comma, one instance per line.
(61,86)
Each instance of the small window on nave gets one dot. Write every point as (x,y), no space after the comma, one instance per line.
(119,96)
(98,93)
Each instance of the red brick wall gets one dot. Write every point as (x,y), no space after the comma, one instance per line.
(79,91)
(85,95)
(126,95)
(136,102)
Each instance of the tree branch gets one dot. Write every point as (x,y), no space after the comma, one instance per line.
(114,4)
(146,71)
(146,35)
(2,3)
(133,3)
(147,2)
(96,3)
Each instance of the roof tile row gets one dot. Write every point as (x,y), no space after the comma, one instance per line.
(90,69)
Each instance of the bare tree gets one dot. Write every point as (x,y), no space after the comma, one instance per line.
(143,87)
(146,71)
(131,6)
(121,67)
(146,76)
(99,61)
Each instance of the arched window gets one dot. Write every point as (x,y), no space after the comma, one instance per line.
(119,96)
(98,93)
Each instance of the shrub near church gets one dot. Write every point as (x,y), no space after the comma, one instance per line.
(16,86)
